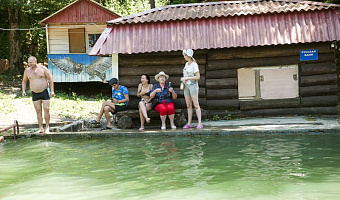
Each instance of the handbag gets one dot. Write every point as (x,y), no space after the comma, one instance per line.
(154,103)
(182,86)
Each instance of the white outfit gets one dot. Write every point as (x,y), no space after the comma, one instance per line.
(190,71)
(191,86)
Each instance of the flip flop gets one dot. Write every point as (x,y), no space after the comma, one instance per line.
(39,132)
(188,126)
(200,126)
(94,122)
(106,128)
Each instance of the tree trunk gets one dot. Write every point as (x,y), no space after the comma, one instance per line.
(152,4)
(15,54)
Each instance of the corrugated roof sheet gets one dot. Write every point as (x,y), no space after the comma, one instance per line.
(268,28)
(220,9)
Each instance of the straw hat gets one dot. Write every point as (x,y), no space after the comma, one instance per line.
(161,74)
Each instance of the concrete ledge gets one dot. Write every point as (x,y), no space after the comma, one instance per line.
(170,133)
(73,127)
(247,127)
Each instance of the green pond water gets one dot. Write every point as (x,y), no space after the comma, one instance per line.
(228,167)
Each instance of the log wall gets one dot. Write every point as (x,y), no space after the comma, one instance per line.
(317,81)
(218,85)
(131,67)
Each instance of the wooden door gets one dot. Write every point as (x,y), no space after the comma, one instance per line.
(246,83)
(77,40)
(279,83)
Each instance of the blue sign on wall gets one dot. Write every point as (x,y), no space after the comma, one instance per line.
(311,54)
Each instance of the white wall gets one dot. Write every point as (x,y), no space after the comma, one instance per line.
(58,36)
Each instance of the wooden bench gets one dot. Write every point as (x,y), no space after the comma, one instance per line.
(124,119)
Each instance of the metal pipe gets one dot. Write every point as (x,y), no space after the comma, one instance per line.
(15,127)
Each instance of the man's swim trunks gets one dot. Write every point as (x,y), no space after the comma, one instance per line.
(44,95)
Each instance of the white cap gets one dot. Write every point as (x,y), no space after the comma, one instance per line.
(189,52)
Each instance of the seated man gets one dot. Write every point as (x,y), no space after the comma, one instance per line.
(119,102)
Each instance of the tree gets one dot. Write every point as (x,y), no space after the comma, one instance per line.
(15,54)
(20,16)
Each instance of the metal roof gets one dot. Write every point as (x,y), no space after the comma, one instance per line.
(220,9)
(262,23)
(80,11)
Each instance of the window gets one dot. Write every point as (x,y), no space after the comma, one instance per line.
(276,82)
(92,39)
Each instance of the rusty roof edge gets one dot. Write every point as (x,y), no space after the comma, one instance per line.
(124,20)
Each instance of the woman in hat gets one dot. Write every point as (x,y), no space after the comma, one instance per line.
(191,75)
(163,94)
(143,91)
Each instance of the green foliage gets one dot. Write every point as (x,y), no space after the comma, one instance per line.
(6,106)
(6,103)
(227,117)
(6,78)
(216,118)
(33,42)
(128,7)
(332,1)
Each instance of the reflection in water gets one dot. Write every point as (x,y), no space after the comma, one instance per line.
(194,163)
(172,168)
(269,158)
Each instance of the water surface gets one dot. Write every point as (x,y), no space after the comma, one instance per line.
(228,167)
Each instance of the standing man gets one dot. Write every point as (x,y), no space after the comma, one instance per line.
(40,79)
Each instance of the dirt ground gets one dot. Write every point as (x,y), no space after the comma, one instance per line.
(25,112)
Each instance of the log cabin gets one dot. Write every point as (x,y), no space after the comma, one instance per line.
(256,58)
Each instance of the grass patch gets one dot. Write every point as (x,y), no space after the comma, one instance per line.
(66,106)
(6,103)
(6,106)
(73,106)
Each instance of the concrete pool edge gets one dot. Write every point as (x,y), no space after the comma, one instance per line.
(204,133)
(298,125)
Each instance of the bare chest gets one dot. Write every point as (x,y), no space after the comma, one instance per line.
(36,74)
